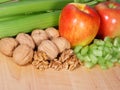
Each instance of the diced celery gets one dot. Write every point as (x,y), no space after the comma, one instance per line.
(97,52)
(116,41)
(89,64)
(108,44)
(99,42)
(93,58)
(87,58)
(109,64)
(80,57)
(77,49)
(84,50)
(108,39)
(108,56)
(114,60)
(103,66)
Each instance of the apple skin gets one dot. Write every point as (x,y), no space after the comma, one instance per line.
(110,19)
(79,24)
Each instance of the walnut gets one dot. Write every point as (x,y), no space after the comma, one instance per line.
(71,63)
(23,38)
(49,48)
(40,60)
(23,54)
(61,43)
(52,32)
(66,54)
(38,36)
(7,45)
(69,60)
(56,65)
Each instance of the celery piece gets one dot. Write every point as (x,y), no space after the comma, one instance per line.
(101,60)
(89,64)
(27,24)
(80,57)
(87,58)
(99,42)
(77,49)
(84,50)
(104,66)
(31,6)
(114,59)
(108,57)
(108,39)
(97,52)
(119,61)
(108,44)
(109,64)
(116,41)
(93,59)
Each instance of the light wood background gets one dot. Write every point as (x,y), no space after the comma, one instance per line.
(13,77)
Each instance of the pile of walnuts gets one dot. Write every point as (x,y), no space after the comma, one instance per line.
(43,48)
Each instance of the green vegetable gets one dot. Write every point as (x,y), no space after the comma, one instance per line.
(31,6)
(27,24)
(105,53)
(2,1)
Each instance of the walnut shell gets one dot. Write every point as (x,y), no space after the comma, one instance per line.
(23,38)
(23,54)
(52,32)
(61,43)
(38,36)
(49,48)
(7,45)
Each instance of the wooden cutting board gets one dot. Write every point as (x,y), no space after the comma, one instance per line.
(13,77)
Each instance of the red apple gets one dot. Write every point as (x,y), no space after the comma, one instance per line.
(110,19)
(79,23)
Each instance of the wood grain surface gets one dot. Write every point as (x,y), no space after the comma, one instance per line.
(14,77)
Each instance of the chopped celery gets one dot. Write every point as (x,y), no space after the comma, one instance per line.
(93,59)
(97,53)
(108,39)
(109,64)
(80,57)
(116,41)
(77,49)
(98,42)
(84,50)
(89,64)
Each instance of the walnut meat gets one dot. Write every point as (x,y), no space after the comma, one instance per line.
(7,45)
(52,32)
(38,36)
(61,43)
(23,54)
(23,38)
(49,48)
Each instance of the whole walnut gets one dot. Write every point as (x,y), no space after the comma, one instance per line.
(7,45)
(61,43)
(23,54)
(52,32)
(23,38)
(38,36)
(49,48)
